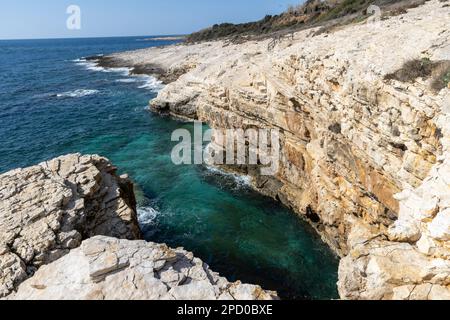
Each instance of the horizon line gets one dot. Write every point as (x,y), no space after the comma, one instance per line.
(96,37)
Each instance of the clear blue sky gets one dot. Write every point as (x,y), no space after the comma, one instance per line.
(28,19)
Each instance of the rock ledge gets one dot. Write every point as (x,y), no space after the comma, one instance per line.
(110,269)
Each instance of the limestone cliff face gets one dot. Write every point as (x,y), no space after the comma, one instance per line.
(365,159)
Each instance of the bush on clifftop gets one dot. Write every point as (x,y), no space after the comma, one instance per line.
(312,13)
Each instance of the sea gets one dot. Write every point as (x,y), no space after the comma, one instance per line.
(54,102)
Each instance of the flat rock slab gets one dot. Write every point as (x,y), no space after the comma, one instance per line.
(104,268)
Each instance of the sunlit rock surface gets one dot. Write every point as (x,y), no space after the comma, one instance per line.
(48,209)
(364,158)
(112,269)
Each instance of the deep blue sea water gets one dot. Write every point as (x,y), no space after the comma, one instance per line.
(52,103)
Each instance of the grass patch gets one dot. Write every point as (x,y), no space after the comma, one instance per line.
(438,71)
(411,70)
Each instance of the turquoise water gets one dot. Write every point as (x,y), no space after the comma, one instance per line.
(53,104)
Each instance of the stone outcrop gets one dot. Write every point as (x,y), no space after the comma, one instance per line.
(110,269)
(48,209)
(363,158)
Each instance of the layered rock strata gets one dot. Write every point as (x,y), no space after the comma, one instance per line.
(363,158)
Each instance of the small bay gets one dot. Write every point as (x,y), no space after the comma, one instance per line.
(53,103)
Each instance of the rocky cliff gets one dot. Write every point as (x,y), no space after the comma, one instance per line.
(64,226)
(364,156)
(48,209)
(110,269)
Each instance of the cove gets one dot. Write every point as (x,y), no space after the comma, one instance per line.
(53,104)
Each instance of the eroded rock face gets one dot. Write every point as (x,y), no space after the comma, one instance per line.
(350,140)
(412,259)
(48,209)
(359,153)
(110,269)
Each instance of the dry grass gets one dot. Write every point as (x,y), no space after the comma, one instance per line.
(438,71)
(402,8)
(355,11)
(312,13)
(411,70)
(328,14)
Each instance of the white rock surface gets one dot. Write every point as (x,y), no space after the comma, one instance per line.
(48,209)
(110,269)
(439,228)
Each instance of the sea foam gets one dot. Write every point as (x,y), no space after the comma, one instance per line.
(93,66)
(151,83)
(145,81)
(147,215)
(77,93)
(129,80)
(241,181)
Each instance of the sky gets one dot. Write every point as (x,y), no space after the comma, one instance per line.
(30,19)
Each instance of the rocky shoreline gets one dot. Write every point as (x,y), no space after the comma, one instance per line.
(364,157)
(164,75)
(69,230)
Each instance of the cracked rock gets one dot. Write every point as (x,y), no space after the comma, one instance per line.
(48,209)
(93,272)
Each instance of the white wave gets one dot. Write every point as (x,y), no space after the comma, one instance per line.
(129,80)
(84,59)
(147,215)
(89,65)
(240,180)
(151,83)
(148,82)
(93,66)
(140,109)
(123,71)
(144,82)
(77,93)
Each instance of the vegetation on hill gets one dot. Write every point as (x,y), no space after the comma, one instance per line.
(313,13)
(424,68)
